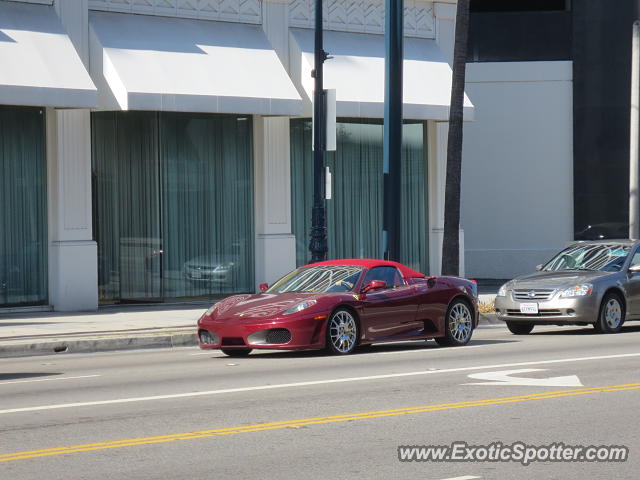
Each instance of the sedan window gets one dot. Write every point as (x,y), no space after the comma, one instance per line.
(604,257)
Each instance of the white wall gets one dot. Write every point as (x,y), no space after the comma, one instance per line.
(517,173)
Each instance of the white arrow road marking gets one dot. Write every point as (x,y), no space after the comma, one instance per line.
(505,377)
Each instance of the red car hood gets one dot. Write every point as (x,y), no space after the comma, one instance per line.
(260,305)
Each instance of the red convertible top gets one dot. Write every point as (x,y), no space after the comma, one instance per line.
(370,263)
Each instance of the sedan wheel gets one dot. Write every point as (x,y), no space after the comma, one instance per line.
(458,325)
(342,332)
(611,315)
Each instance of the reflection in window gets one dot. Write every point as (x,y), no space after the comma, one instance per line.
(318,280)
(610,257)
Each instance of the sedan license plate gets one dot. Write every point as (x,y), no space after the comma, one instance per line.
(196,275)
(528,308)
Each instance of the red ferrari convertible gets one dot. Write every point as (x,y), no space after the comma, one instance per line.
(341,304)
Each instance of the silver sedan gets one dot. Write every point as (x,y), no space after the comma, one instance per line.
(594,283)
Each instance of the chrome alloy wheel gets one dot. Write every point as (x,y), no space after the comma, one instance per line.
(613,313)
(343,331)
(460,322)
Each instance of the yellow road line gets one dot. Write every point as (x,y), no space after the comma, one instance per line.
(8,457)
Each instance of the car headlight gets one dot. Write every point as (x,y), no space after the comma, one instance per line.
(577,291)
(503,291)
(301,306)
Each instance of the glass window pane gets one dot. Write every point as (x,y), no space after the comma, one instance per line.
(208,204)
(23,216)
(127,202)
(173,213)
(354,214)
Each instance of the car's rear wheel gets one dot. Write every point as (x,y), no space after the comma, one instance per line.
(236,352)
(342,332)
(611,316)
(458,325)
(520,328)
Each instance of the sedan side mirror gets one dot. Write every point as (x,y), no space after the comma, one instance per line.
(263,287)
(374,285)
(539,267)
(634,269)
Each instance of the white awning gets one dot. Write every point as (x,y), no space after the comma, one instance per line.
(174,64)
(39,65)
(356,71)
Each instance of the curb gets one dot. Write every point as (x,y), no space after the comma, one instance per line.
(97,344)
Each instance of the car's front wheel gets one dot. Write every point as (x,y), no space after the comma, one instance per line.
(458,325)
(342,332)
(236,352)
(611,316)
(520,328)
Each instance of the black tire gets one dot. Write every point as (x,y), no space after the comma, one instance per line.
(236,352)
(611,314)
(458,325)
(520,328)
(343,332)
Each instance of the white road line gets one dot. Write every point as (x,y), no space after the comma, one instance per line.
(47,379)
(311,383)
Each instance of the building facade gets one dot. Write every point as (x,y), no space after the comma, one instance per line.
(546,160)
(161,150)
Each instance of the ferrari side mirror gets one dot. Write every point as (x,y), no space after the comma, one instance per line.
(263,287)
(374,285)
(538,268)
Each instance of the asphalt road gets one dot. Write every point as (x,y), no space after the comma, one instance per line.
(184,413)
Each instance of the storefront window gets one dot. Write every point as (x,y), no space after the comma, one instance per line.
(354,214)
(23,216)
(173,205)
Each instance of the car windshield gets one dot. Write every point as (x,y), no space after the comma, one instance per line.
(604,257)
(321,279)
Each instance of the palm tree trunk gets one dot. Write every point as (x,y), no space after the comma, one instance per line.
(451,241)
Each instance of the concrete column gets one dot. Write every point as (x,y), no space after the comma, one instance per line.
(73,266)
(445,14)
(275,244)
(437,167)
(275,23)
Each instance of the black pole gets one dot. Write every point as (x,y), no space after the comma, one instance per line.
(318,244)
(394,13)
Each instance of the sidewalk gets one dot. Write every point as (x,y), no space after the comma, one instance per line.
(110,328)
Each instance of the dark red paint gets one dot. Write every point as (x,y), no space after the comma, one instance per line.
(413,311)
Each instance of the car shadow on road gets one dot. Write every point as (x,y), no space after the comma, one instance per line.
(588,330)
(407,346)
(24,375)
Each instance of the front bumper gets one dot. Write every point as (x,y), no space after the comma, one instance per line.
(305,333)
(554,311)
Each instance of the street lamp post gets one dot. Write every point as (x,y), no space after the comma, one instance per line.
(318,244)
(394,23)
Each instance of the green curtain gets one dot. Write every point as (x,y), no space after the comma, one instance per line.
(354,214)
(173,211)
(23,216)
(127,205)
(208,204)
